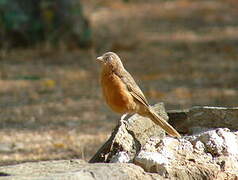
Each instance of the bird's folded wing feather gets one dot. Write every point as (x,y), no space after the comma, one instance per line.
(132,87)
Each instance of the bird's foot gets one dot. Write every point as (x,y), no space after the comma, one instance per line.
(123,120)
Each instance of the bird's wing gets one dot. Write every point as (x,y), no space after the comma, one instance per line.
(132,87)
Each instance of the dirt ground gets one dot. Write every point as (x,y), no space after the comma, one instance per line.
(181,52)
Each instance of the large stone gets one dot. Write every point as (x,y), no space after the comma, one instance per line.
(206,152)
(209,155)
(128,137)
(202,118)
(72,169)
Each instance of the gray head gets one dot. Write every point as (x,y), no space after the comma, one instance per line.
(110,59)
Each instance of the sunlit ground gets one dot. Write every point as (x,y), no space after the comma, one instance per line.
(183,53)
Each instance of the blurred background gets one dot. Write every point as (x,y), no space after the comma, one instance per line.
(181,52)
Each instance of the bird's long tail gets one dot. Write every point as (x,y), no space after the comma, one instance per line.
(157,119)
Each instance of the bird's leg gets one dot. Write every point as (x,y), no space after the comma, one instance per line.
(123,116)
(122,120)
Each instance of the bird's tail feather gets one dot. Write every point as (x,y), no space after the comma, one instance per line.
(157,119)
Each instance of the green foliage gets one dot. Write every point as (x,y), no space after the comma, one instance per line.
(27,22)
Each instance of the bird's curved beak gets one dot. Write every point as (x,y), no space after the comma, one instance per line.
(100,59)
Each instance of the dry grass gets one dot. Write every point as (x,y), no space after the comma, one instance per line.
(183,53)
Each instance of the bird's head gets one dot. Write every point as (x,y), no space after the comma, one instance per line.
(110,59)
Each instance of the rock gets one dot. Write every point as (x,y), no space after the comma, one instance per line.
(120,157)
(139,149)
(153,162)
(129,137)
(202,118)
(73,169)
(207,155)
(207,152)
(218,142)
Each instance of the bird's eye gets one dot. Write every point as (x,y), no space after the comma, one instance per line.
(109,58)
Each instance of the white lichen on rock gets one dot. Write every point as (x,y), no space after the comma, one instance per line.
(120,157)
(216,149)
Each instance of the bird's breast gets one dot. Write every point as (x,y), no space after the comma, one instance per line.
(116,93)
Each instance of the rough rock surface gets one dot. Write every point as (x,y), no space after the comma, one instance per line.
(72,169)
(208,150)
(209,155)
(127,138)
(201,118)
